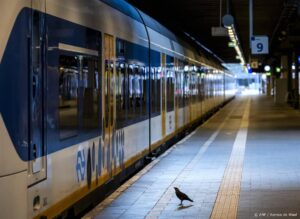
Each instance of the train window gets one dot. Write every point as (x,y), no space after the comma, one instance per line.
(90,81)
(170,88)
(79,95)
(121,99)
(143,89)
(120,47)
(156,91)
(153,89)
(179,83)
(186,82)
(131,99)
(131,94)
(138,91)
(199,87)
(170,83)
(68,96)
(136,79)
(178,90)
(134,93)
(191,86)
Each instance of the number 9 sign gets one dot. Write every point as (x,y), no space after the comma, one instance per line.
(259,45)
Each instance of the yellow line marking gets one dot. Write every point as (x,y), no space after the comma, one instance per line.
(229,193)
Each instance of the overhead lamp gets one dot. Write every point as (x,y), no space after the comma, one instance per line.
(267,68)
(227,20)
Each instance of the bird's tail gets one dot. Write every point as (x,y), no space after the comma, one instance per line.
(190,200)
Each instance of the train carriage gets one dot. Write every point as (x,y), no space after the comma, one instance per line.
(88,89)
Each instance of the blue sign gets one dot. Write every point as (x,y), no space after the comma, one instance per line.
(80,165)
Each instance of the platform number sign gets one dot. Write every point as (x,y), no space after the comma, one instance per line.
(260,45)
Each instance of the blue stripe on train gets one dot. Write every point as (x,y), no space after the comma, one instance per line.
(14,84)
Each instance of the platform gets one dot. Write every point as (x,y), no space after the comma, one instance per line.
(242,163)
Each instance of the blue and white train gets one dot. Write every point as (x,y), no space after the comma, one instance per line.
(88,89)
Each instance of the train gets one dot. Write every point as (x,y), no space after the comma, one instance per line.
(88,91)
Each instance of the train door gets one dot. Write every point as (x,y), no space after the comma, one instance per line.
(37,150)
(163,93)
(109,102)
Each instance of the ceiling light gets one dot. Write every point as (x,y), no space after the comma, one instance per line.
(267,68)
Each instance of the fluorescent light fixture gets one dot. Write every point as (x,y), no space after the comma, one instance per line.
(231,44)
(234,42)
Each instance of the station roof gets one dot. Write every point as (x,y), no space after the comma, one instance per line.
(277,19)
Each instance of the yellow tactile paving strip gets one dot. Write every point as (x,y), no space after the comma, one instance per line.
(228,196)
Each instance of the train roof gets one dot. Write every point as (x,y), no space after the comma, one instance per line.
(132,12)
(129,10)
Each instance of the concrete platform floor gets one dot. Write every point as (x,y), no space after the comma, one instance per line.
(242,163)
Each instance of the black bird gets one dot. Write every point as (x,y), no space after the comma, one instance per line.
(182,196)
